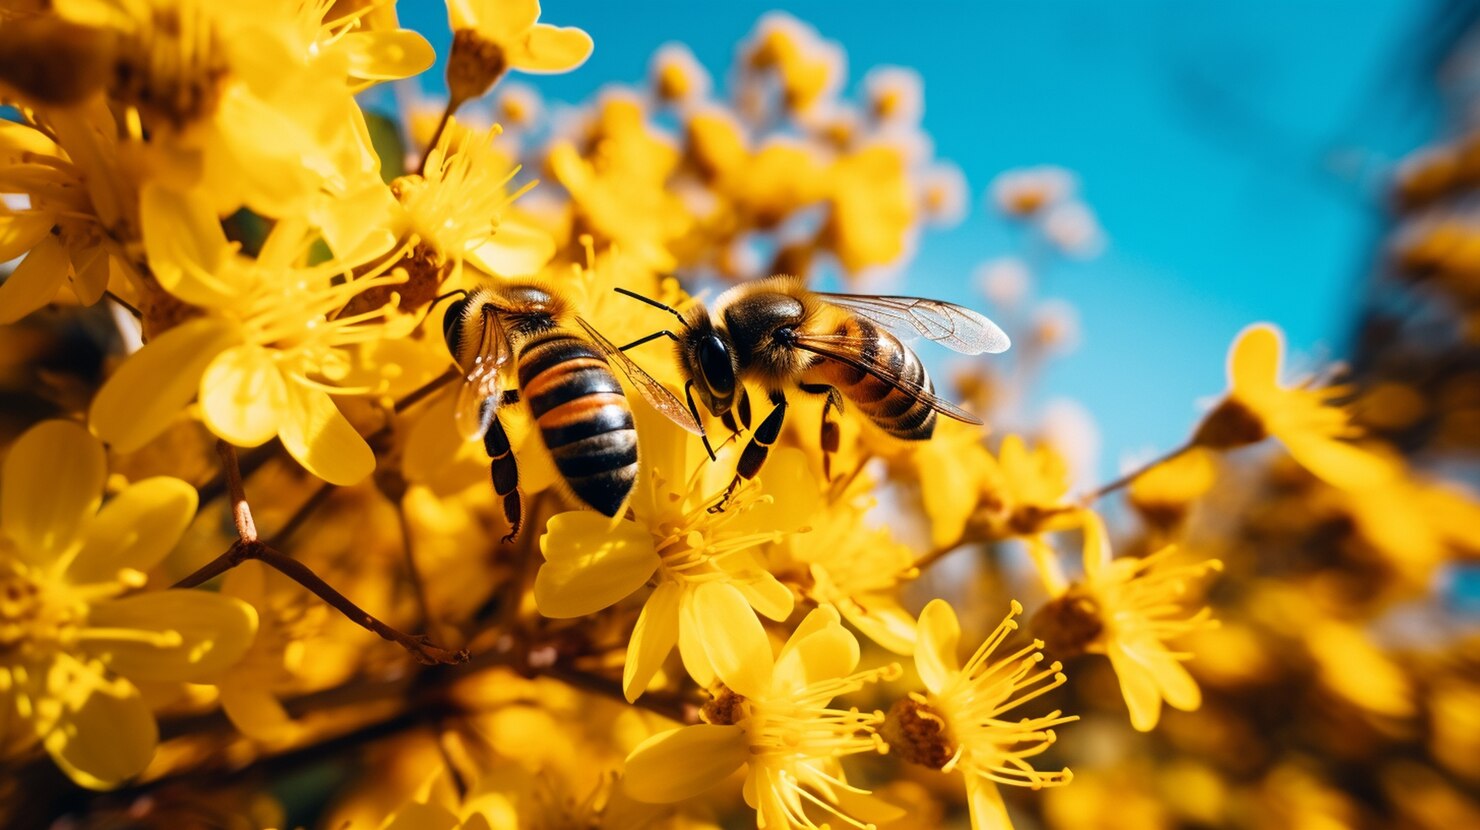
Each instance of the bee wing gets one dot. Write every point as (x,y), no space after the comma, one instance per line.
(655,393)
(956,327)
(848,350)
(482,388)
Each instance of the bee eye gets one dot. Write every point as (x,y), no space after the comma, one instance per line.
(452,324)
(714,363)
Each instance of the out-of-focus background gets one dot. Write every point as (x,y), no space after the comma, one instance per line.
(1238,157)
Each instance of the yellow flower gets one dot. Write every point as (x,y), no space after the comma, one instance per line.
(872,208)
(251,103)
(710,578)
(490,37)
(959,724)
(1026,191)
(67,237)
(1128,609)
(266,355)
(1163,493)
(74,641)
(774,718)
(1302,418)
(676,75)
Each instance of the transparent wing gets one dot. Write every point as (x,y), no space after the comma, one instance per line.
(848,350)
(481,389)
(655,393)
(956,327)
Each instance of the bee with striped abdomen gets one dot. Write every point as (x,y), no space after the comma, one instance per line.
(565,379)
(781,335)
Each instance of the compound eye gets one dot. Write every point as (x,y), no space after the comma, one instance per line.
(452,324)
(714,362)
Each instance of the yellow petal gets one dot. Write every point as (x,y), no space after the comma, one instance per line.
(105,734)
(315,433)
(51,483)
(185,245)
(1097,552)
(795,499)
(243,395)
(135,529)
(418,816)
(191,635)
(387,55)
(1254,359)
(734,640)
(589,564)
(143,397)
(820,649)
(256,713)
(35,281)
(551,49)
(1338,463)
(502,21)
(653,638)
(936,645)
(881,619)
(517,249)
(1142,697)
(681,764)
(984,800)
(91,268)
(767,596)
(19,232)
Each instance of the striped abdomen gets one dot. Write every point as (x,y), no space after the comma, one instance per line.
(900,413)
(583,417)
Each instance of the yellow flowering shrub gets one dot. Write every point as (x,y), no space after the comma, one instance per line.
(304,403)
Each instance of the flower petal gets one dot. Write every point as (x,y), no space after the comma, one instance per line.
(1254,359)
(135,529)
(51,483)
(653,638)
(984,800)
(1338,463)
(185,245)
(242,395)
(387,55)
(683,763)
(195,635)
(19,232)
(143,397)
(315,433)
(106,733)
(820,649)
(35,281)
(767,595)
(936,645)
(590,564)
(1137,686)
(516,249)
(257,714)
(733,638)
(880,618)
(552,49)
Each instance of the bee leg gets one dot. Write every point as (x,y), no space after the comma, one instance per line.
(831,435)
(754,455)
(688,393)
(744,408)
(505,475)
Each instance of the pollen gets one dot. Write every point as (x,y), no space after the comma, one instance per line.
(918,734)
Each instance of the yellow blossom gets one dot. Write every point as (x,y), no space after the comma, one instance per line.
(75,640)
(773,717)
(1128,609)
(1300,417)
(266,355)
(1163,493)
(960,723)
(490,37)
(710,578)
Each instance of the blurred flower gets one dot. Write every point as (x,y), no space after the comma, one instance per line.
(74,640)
(490,37)
(677,76)
(1302,418)
(1163,493)
(943,198)
(1074,230)
(1029,190)
(895,95)
(1005,281)
(773,718)
(519,106)
(959,724)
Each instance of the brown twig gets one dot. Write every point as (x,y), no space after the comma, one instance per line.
(426,154)
(241,512)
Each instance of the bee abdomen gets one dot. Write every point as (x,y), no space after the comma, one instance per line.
(902,413)
(584,418)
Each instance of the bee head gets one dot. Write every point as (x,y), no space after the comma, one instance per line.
(709,358)
(454,321)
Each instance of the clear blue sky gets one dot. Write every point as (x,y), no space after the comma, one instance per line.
(1207,136)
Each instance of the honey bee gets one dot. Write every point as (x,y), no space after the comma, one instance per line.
(779,334)
(565,380)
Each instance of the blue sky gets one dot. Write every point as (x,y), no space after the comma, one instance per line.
(1210,138)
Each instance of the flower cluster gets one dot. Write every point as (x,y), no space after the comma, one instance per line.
(245,526)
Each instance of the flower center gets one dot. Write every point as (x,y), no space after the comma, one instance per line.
(1231,424)
(918,734)
(726,709)
(171,69)
(473,65)
(1069,624)
(27,617)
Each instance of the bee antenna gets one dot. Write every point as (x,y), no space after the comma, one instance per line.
(440,297)
(654,303)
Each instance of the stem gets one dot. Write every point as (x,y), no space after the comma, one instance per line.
(413,572)
(1104,490)
(309,506)
(241,512)
(452,105)
(940,553)
(138,315)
